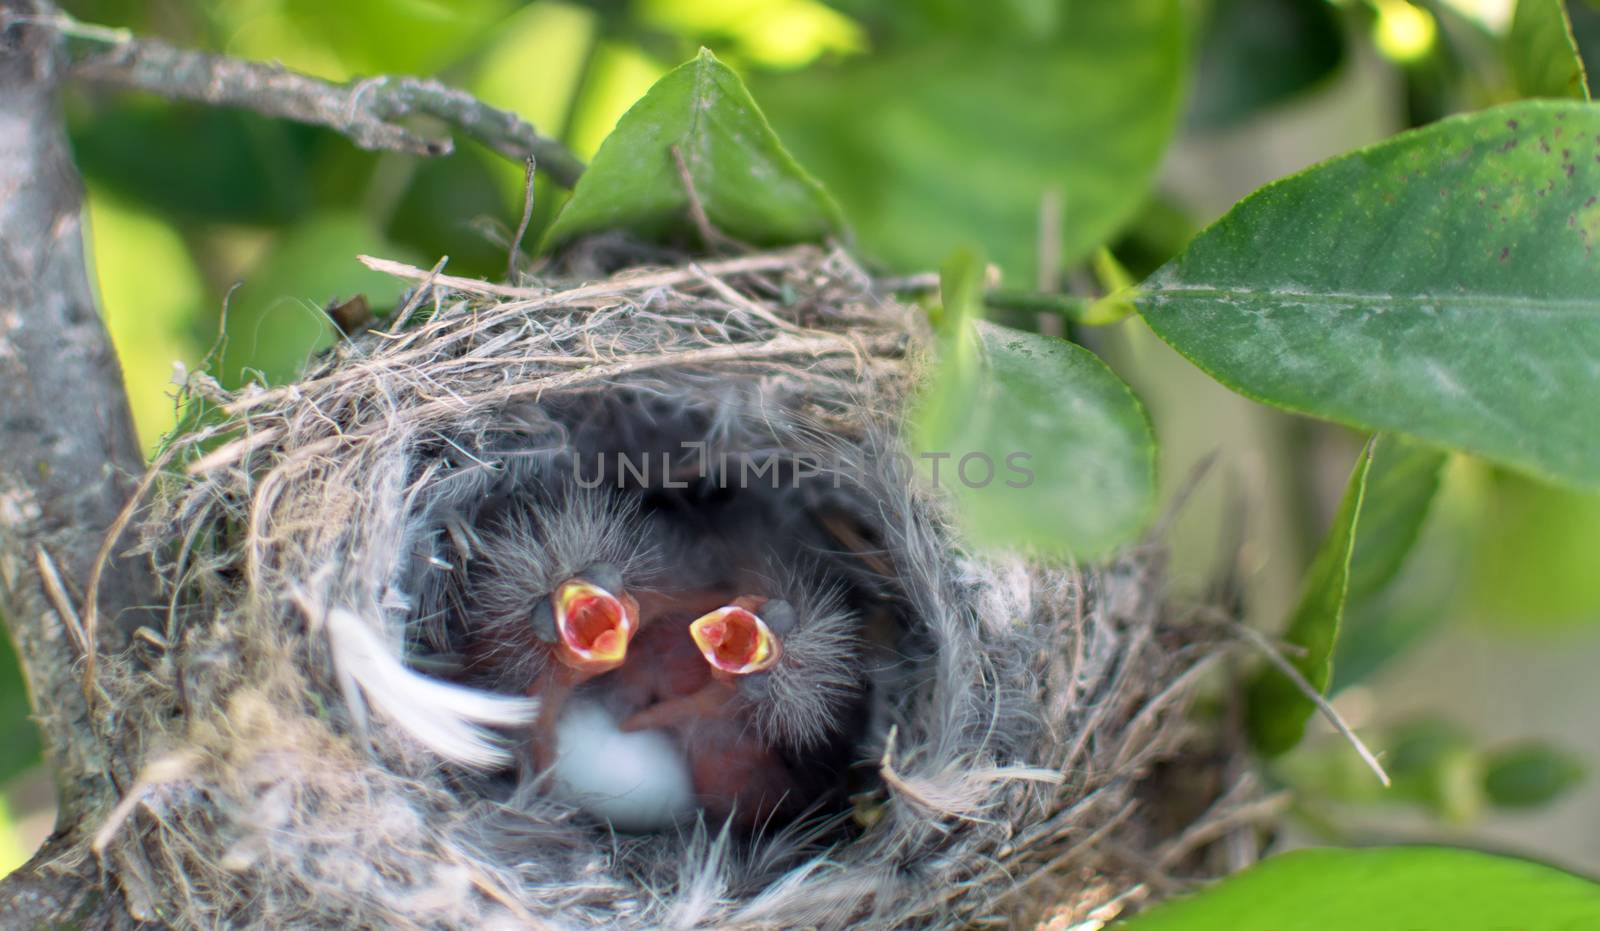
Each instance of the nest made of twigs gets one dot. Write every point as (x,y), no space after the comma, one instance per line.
(285,765)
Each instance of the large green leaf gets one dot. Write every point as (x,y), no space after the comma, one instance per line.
(1542,52)
(1277,709)
(945,136)
(1385,889)
(1442,284)
(1041,445)
(748,184)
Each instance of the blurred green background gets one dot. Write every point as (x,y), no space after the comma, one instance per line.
(215,229)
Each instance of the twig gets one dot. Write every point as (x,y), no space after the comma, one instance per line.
(710,236)
(1215,826)
(367,111)
(403,315)
(1180,499)
(733,297)
(1276,658)
(764,262)
(1069,307)
(56,589)
(527,215)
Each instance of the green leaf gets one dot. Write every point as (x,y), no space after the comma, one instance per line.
(1438,764)
(1400,488)
(1385,889)
(1534,565)
(1276,708)
(395,36)
(1542,52)
(1041,445)
(1531,775)
(750,187)
(1384,615)
(1442,284)
(18,734)
(949,135)
(199,162)
(961,288)
(1382,624)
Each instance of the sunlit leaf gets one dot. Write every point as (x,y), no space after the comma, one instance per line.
(1385,889)
(1277,709)
(393,36)
(748,184)
(1535,562)
(1384,615)
(946,136)
(1442,284)
(150,294)
(1542,53)
(777,33)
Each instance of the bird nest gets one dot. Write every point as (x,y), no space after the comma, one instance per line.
(359,712)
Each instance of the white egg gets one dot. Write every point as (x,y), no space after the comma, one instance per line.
(637,781)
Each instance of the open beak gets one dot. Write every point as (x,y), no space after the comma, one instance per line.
(735,641)
(594,626)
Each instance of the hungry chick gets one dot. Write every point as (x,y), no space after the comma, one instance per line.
(551,587)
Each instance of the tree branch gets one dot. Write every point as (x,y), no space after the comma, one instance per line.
(57,889)
(67,454)
(366,111)
(67,444)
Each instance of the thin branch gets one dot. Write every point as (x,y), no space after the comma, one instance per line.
(367,111)
(1313,695)
(515,252)
(1069,307)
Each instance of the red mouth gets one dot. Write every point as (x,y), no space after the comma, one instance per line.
(595,626)
(735,641)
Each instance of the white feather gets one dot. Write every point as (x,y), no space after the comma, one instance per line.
(637,781)
(446,718)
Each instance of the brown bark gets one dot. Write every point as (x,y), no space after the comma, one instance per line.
(67,457)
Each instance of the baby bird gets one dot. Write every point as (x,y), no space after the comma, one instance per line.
(750,688)
(550,587)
